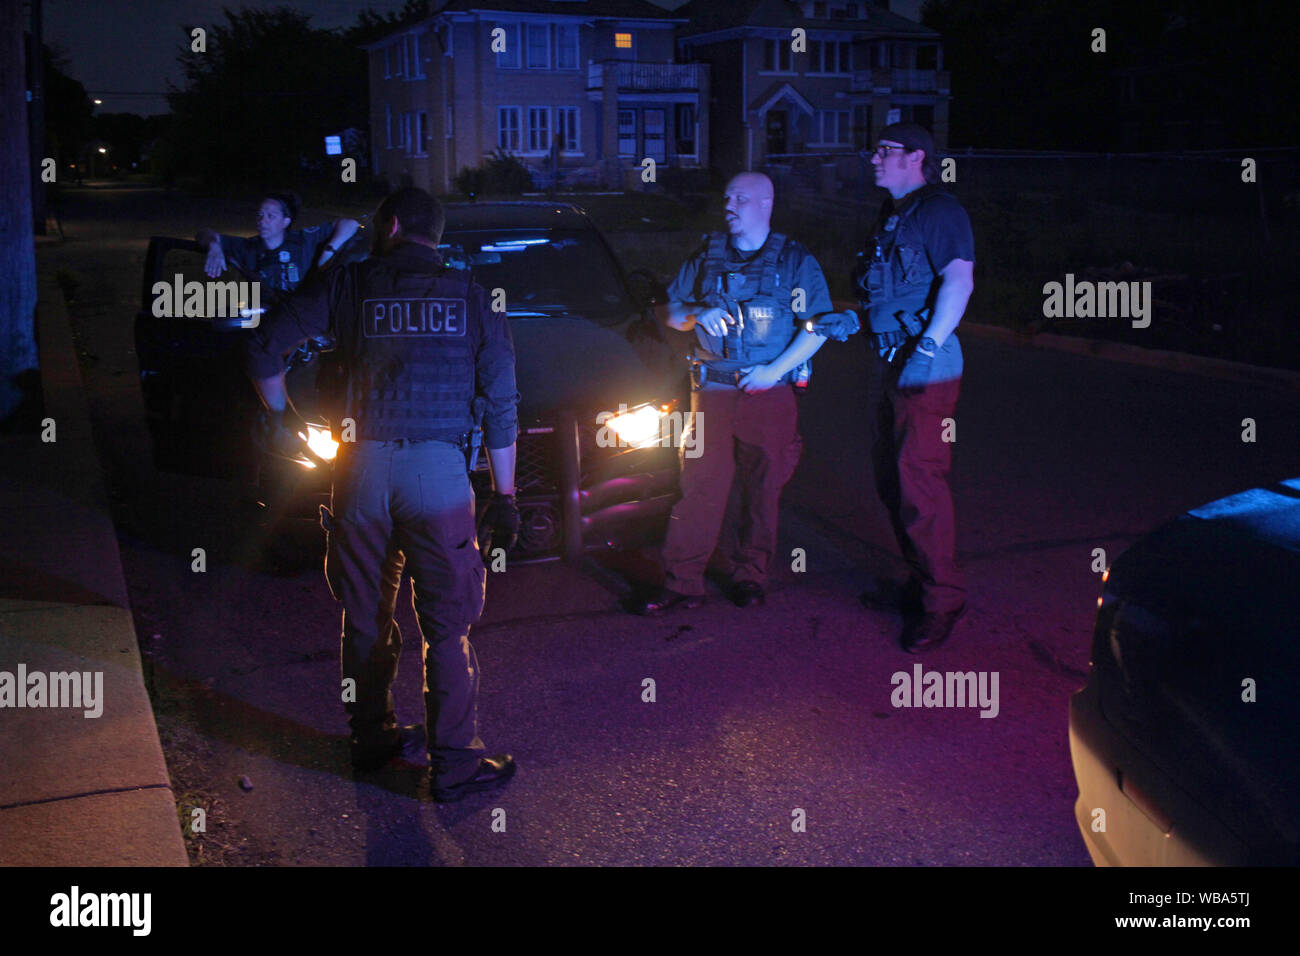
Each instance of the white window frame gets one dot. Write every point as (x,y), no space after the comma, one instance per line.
(561,28)
(535,131)
(504,131)
(841,128)
(618,119)
(694,136)
(514,41)
(630,49)
(572,145)
(414,61)
(777,46)
(528,46)
(420,133)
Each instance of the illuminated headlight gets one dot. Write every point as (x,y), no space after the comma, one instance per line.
(637,427)
(321,444)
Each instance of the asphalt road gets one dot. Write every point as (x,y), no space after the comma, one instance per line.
(758,714)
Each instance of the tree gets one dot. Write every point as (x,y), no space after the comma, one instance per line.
(259,101)
(18,357)
(68,113)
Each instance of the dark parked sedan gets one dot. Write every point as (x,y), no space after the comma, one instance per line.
(1184,740)
(602,393)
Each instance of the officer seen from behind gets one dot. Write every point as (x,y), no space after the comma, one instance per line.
(418,345)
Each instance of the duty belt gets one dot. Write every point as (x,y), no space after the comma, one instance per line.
(885,340)
(730,377)
(461,441)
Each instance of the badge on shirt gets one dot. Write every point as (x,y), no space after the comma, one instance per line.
(890,223)
(284,255)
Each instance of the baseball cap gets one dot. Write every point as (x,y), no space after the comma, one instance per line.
(913,136)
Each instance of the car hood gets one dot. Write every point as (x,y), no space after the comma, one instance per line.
(567,362)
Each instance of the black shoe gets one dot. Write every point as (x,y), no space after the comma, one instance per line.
(407,752)
(887,595)
(930,630)
(492,772)
(745,593)
(656,602)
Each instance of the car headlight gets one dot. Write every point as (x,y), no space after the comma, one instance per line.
(320,443)
(637,427)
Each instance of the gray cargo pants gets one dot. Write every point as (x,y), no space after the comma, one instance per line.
(397,502)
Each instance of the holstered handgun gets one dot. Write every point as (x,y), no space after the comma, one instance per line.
(479,409)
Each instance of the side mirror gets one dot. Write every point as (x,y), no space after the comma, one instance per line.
(646,289)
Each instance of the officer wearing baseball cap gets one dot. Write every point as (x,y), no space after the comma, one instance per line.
(419,346)
(915,280)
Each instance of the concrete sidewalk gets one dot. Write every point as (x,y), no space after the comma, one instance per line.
(76,790)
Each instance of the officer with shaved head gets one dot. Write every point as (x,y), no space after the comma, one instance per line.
(749,295)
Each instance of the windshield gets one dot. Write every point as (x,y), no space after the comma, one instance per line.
(543,271)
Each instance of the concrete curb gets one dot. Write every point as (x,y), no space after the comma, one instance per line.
(1136,355)
(1121,352)
(79,789)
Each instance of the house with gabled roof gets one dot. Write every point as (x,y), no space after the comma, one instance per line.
(779,95)
(588,88)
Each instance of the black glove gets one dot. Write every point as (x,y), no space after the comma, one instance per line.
(836,325)
(500,525)
(914,373)
(278,432)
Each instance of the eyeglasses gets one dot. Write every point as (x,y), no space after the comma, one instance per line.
(883,151)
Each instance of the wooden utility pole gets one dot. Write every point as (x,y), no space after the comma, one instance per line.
(17,248)
(36,113)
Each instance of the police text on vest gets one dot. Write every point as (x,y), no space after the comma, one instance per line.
(388,318)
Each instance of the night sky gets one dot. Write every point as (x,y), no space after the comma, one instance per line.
(124,51)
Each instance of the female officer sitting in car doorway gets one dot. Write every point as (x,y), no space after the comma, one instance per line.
(277,257)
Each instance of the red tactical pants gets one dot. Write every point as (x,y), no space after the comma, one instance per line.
(754,439)
(911,462)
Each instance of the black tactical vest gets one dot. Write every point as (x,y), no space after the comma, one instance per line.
(409,351)
(282,269)
(895,283)
(763,296)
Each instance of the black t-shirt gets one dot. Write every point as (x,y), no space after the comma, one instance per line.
(943,224)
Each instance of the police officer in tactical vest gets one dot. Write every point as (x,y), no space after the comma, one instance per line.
(746,295)
(279,258)
(915,279)
(418,346)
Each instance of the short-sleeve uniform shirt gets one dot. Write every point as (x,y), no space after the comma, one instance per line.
(281,269)
(797,266)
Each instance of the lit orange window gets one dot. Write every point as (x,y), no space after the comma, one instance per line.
(623,41)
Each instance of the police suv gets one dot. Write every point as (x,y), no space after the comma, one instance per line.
(602,395)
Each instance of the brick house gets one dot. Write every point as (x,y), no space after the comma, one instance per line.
(862,61)
(590,85)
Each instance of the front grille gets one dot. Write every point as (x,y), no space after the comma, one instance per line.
(537,466)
